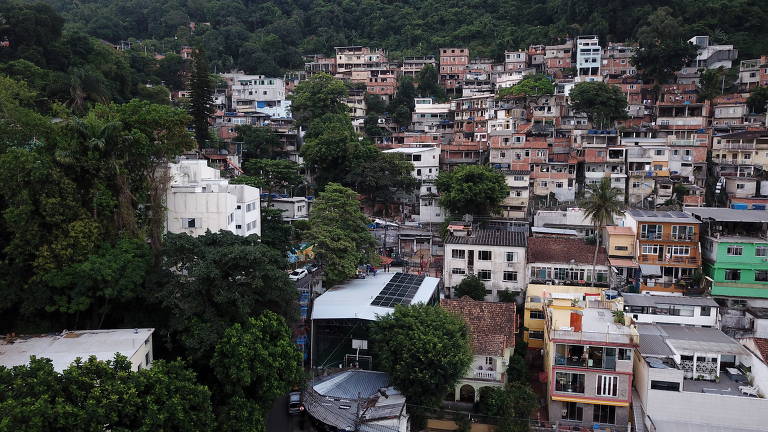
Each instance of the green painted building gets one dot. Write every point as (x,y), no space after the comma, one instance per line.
(734,245)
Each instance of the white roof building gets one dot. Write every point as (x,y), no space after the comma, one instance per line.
(64,348)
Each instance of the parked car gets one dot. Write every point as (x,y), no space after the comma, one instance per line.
(298,274)
(311,267)
(294,403)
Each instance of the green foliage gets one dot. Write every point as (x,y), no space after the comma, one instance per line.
(471,189)
(429,85)
(216,280)
(258,142)
(716,82)
(758,100)
(103,394)
(201,97)
(275,232)
(340,233)
(258,362)
(664,48)
(530,85)
(271,175)
(425,349)
(382,177)
(602,203)
(602,103)
(514,404)
(320,95)
(472,287)
(517,370)
(506,296)
(402,105)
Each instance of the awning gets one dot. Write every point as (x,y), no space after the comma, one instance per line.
(622,262)
(650,270)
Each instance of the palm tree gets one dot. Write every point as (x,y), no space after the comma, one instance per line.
(602,203)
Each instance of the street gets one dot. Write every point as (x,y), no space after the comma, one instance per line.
(278,419)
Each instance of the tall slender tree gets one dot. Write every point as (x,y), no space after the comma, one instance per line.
(602,204)
(201,103)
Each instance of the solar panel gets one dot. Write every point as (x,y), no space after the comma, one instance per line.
(399,290)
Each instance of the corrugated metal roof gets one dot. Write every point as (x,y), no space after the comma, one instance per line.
(652,300)
(352,383)
(729,215)
(491,238)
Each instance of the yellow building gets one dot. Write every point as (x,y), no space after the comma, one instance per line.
(620,241)
(537,295)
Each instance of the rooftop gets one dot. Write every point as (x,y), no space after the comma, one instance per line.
(64,348)
(661,340)
(620,230)
(352,300)
(491,238)
(410,150)
(661,216)
(652,300)
(491,324)
(728,214)
(563,251)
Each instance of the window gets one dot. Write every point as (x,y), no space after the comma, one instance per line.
(569,382)
(652,232)
(761,251)
(458,253)
(732,274)
(625,354)
(536,314)
(705,311)
(604,414)
(650,249)
(250,207)
(238,227)
(621,248)
(536,334)
(510,276)
(147,359)
(573,411)
(607,385)
(659,152)
(511,256)
(484,275)
(761,276)
(735,250)
(679,250)
(740,185)
(484,255)
(665,385)
(489,361)
(418,172)
(188,222)
(458,271)
(682,232)
(416,158)
(518,178)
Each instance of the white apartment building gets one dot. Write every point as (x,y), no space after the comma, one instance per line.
(495,257)
(62,349)
(429,116)
(684,310)
(257,93)
(198,200)
(293,208)
(588,58)
(426,166)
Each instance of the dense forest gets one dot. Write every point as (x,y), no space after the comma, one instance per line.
(269,37)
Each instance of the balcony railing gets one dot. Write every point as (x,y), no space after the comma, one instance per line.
(733,146)
(487,375)
(654,259)
(585,336)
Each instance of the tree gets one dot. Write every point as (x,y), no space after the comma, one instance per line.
(471,189)
(470,286)
(257,361)
(271,175)
(425,349)
(319,95)
(716,82)
(201,98)
(275,232)
(429,85)
(530,85)
(601,205)
(259,142)
(663,48)
(758,100)
(332,149)
(99,395)
(213,281)
(513,404)
(382,177)
(402,105)
(340,233)
(602,103)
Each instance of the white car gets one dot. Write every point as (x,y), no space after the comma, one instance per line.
(298,274)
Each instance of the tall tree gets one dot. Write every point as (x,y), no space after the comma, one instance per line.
(259,142)
(429,85)
(602,203)
(270,175)
(716,82)
(382,177)
(471,189)
(758,100)
(472,287)
(402,105)
(530,85)
(663,47)
(319,95)
(602,103)
(201,99)
(425,349)
(332,149)
(340,233)
(257,362)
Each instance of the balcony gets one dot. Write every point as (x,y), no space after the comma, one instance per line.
(587,337)
(487,375)
(674,260)
(733,146)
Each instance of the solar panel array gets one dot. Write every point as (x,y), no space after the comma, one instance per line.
(399,290)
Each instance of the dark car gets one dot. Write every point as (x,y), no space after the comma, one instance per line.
(294,403)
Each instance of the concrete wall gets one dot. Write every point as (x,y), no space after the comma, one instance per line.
(711,409)
(139,359)
(497,265)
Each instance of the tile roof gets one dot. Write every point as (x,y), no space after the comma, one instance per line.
(563,250)
(762,346)
(621,230)
(491,238)
(491,324)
